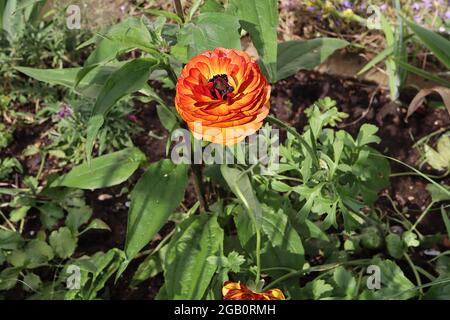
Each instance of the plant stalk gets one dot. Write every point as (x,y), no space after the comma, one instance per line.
(179,9)
(299,137)
(258,255)
(198,186)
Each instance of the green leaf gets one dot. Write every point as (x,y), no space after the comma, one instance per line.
(19,213)
(316,289)
(433,41)
(212,6)
(410,239)
(240,185)
(76,218)
(395,245)
(129,34)
(207,34)
(439,159)
(63,242)
(38,253)
(50,214)
(149,268)
(193,9)
(391,67)
(131,77)
(367,135)
(304,55)
(394,284)
(97,224)
(8,278)
(422,73)
(345,282)
(283,238)
(90,86)
(377,59)
(166,116)
(32,282)
(10,240)
(371,238)
(105,171)
(187,272)
(438,194)
(94,125)
(446,220)
(260,19)
(440,290)
(95,271)
(154,198)
(165,13)
(12,22)
(231,263)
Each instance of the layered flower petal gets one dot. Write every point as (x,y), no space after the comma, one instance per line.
(222,95)
(239,291)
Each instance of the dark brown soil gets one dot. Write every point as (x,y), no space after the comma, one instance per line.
(364,102)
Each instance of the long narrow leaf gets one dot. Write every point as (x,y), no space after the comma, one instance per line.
(433,41)
(424,74)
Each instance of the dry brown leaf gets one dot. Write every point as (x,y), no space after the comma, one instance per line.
(418,99)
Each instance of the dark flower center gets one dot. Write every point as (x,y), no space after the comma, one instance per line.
(220,86)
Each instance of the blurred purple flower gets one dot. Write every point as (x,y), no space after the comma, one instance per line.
(447,15)
(311,9)
(427,3)
(416,6)
(362,7)
(122,9)
(132,118)
(383,7)
(288,4)
(418,18)
(346,4)
(64,111)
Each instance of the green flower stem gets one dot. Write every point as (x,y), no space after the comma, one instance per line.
(324,267)
(258,233)
(258,255)
(171,73)
(416,274)
(444,190)
(198,186)
(424,213)
(271,119)
(196,168)
(179,9)
(7,221)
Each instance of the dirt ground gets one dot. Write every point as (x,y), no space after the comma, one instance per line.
(365,102)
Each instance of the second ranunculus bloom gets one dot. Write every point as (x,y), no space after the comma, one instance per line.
(223,96)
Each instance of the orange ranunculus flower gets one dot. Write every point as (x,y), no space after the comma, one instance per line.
(238,291)
(222,96)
